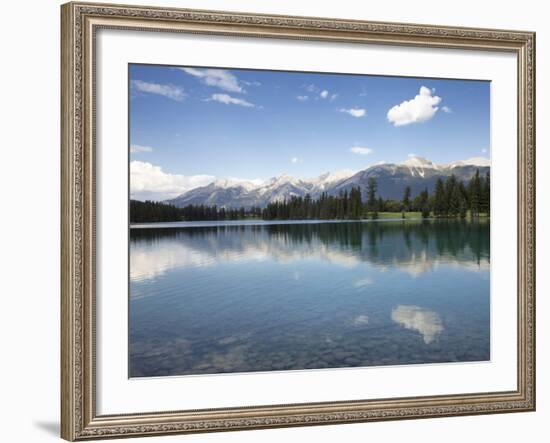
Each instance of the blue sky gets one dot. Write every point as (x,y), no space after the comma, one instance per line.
(188,123)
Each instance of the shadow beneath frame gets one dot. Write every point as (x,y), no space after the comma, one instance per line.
(50,427)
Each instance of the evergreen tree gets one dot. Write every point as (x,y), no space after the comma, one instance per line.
(372,187)
(488,192)
(355,203)
(440,203)
(453,196)
(308,206)
(340,206)
(425,211)
(423,203)
(485,199)
(345,204)
(462,206)
(464,193)
(407,198)
(474,189)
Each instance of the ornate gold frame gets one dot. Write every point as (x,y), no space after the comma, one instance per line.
(80,21)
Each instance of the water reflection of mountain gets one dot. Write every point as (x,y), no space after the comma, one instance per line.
(415,246)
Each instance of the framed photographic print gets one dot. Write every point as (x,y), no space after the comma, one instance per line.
(282,221)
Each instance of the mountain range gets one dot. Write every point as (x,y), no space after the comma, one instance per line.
(392,178)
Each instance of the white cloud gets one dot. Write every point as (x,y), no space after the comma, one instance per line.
(484,150)
(254,83)
(355,112)
(219,78)
(135,149)
(417,110)
(295,160)
(319,93)
(169,91)
(446,110)
(228,100)
(363,282)
(361,320)
(311,88)
(151,181)
(426,322)
(302,98)
(361,150)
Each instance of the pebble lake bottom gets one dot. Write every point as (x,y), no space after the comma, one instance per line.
(209,298)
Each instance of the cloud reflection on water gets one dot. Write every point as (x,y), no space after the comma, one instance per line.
(426,322)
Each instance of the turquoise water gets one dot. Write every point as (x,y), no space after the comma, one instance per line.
(226,297)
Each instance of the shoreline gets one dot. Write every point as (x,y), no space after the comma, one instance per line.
(260,222)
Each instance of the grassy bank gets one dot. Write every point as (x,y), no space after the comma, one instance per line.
(418,214)
(411,214)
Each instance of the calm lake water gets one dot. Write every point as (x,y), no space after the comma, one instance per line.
(231,297)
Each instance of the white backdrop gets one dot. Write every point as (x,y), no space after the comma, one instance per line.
(29,181)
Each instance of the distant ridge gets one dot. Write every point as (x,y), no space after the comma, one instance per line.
(392,178)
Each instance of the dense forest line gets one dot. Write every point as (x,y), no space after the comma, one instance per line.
(451,198)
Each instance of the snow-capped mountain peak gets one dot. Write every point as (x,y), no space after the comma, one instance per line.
(417,165)
(474,161)
(280,179)
(331,177)
(419,162)
(232,182)
(417,172)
